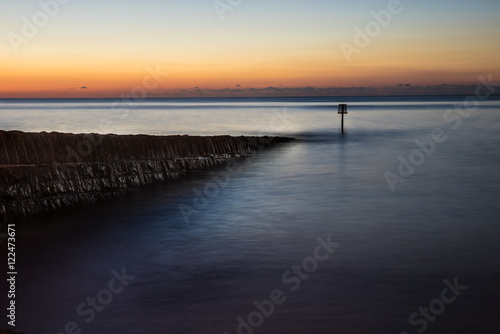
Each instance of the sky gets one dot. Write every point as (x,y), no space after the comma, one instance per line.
(193,48)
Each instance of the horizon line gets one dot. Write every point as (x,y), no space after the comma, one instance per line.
(231,97)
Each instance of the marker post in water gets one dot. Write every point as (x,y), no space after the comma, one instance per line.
(342,111)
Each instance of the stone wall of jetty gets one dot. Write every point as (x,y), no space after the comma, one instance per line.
(43,172)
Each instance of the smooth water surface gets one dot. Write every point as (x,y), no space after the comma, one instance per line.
(199,274)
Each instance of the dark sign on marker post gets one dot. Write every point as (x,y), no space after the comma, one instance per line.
(342,111)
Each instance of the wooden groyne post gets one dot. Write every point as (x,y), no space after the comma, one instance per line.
(342,111)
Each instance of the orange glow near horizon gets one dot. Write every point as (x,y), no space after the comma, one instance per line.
(56,78)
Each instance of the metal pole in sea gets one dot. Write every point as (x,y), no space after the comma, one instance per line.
(342,111)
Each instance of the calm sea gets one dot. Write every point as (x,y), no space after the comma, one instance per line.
(409,197)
